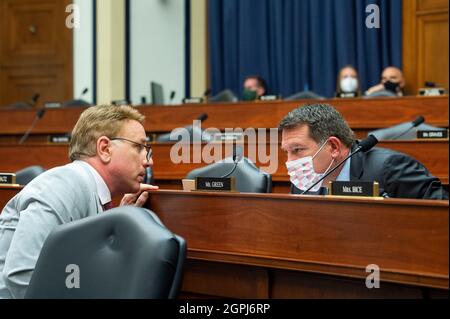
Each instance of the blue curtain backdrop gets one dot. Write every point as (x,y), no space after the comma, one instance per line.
(300,44)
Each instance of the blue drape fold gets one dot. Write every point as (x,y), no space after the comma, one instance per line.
(300,44)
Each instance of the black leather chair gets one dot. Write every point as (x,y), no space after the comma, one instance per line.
(249,179)
(193,132)
(124,253)
(381,93)
(304,95)
(26,175)
(394,132)
(224,96)
(76,103)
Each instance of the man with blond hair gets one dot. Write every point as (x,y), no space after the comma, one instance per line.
(108,155)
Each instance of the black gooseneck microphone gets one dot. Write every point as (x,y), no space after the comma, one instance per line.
(237,156)
(363,146)
(84,92)
(35,99)
(202,117)
(39,114)
(207,92)
(419,120)
(172,96)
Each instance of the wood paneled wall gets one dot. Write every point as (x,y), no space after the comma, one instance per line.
(425,43)
(35,51)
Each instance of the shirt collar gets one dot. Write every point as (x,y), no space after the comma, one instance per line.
(344,175)
(102,189)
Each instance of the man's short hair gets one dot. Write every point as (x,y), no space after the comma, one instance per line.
(261,82)
(97,121)
(323,121)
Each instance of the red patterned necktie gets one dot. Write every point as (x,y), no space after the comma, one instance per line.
(108,206)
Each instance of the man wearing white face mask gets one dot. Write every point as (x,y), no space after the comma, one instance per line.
(315,138)
(347,83)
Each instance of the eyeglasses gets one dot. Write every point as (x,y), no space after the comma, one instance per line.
(141,146)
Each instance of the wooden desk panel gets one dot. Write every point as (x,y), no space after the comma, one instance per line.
(433,154)
(6,193)
(288,246)
(324,243)
(362,115)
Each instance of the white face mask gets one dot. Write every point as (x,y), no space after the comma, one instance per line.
(302,173)
(349,85)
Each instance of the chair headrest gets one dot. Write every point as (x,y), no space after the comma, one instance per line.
(248,177)
(193,132)
(382,93)
(304,95)
(392,133)
(124,253)
(224,96)
(26,175)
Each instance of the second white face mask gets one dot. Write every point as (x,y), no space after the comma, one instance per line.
(349,85)
(302,173)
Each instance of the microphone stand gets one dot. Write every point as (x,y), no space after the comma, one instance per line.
(358,149)
(400,135)
(40,113)
(232,171)
(236,159)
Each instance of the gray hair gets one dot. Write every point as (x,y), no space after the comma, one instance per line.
(323,121)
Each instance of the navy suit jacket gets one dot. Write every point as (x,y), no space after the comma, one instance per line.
(399,175)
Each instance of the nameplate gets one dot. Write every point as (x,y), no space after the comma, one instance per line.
(347,95)
(193,100)
(59,139)
(362,189)
(432,134)
(216,184)
(52,105)
(7,178)
(431,91)
(224,137)
(120,102)
(270,97)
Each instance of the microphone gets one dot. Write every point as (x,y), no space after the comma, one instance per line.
(172,95)
(207,92)
(84,92)
(237,156)
(202,117)
(364,146)
(419,120)
(35,99)
(39,114)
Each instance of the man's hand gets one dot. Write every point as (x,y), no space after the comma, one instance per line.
(138,199)
(376,88)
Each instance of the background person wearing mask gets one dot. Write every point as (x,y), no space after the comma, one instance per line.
(347,84)
(392,80)
(254,87)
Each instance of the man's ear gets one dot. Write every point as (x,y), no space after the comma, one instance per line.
(104,149)
(336,146)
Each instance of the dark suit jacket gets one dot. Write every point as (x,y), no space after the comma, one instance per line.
(398,175)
